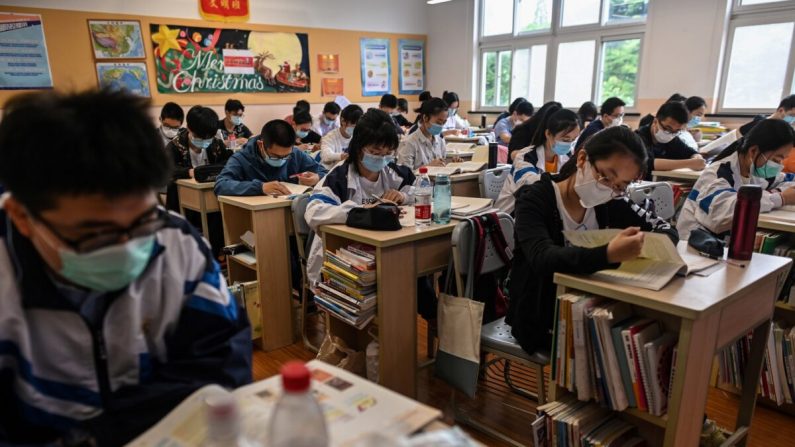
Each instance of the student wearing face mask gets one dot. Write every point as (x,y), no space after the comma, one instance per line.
(92,265)
(306,139)
(587,113)
(328,120)
(666,151)
(757,161)
(232,124)
(696,109)
(426,147)
(579,198)
(510,110)
(522,135)
(388,105)
(785,111)
(504,128)
(611,114)
(171,118)
(334,146)
(454,124)
(549,151)
(265,162)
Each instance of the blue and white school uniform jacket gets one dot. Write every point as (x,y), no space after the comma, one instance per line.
(527,169)
(710,204)
(342,190)
(117,363)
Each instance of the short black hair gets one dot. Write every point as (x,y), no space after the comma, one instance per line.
(106,144)
(424,96)
(202,121)
(695,102)
(301,104)
(233,105)
(524,108)
(173,111)
(278,132)
(388,100)
(403,105)
(787,103)
(431,107)
(331,107)
(450,97)
(375,128)
(515,103)
(677,97)
(351,113)
(673,109)
(302,118)
(610,105)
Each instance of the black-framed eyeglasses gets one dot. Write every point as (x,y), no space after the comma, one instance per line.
(149,223)
(276,157)
(618,190)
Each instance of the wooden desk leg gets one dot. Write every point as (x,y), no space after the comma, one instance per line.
(697,344)
(203,212)
(753,369)
(273,275)
(397,318)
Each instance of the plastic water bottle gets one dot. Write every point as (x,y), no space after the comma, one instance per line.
(224,422)
(297,420)
(441,199)
(232,141)
(423,191)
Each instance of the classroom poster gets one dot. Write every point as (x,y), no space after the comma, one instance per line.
(24,63)
(128,76)
(328,63)
(224,10)
(332,87)
(200,60)
(113,39)
(375,67)
(411,78)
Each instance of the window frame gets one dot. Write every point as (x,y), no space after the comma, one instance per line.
(754,15)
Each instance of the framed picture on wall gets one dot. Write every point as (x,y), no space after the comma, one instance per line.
(116,39)
(128,76)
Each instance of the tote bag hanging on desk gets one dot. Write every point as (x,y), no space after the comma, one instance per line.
(458,357)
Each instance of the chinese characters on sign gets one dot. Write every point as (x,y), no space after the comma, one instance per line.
(224,10)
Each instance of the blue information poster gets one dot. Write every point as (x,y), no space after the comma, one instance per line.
(412,66)
(376,79)
(23,53)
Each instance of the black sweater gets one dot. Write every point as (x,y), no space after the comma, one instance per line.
(540,252)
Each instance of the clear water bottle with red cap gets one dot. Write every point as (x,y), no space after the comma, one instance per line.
(423,194)
(224,428)
(297,419)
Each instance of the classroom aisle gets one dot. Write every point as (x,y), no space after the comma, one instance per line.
(497,406)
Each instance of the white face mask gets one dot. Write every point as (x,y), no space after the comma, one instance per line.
(590,191)
(169,132)
(662,136)
(616,122)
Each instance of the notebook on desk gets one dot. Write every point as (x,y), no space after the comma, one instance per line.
(460,148)
(295,189)
(463,207)
(457,168)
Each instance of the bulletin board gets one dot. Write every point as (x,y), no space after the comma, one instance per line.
(72,61)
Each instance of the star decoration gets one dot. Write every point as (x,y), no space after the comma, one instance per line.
(166,39)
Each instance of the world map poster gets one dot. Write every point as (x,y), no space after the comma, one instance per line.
(202,60)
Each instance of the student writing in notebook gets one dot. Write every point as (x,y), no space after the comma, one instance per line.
(549,150)
(666,151)
(265,162)
(328,120)
(521,113)
(611,115)
(171,118)
(510,110)
(306,139)
(426,147)
(232,124)
(301,105)
(589,193)
(334,146)
(454,124)
(696,109)
(756,161)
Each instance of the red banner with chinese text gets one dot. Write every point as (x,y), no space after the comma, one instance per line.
(224,10)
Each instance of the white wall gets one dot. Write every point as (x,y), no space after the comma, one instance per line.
(389,16)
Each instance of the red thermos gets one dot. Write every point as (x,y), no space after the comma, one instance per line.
(746,216)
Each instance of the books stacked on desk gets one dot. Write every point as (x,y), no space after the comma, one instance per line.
(348,289)
(569,422)
(602,351)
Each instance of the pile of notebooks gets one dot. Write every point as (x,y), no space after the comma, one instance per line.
(569,422)
(778,244)
(601,351)
(777,381)
(348,289)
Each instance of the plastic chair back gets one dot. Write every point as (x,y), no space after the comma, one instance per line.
(491,181)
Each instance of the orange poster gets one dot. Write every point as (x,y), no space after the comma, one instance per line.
(224,10)
(328,63)
(332,87)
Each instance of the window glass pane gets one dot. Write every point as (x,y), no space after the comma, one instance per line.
(529,73)
(534,15)
(574,72)
(504,88)
(618,10)
(489,78)
(521,73)
(580,12)
(757,66)
(619,75)
(757,2)
(497,17)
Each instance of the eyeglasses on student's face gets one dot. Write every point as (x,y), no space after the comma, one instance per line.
(619,188)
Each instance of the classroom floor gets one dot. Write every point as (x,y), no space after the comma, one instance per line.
(495,405)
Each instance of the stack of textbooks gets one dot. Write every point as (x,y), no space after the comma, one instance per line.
(777,381)
(602,351)
(348,289)
(778,244)
(569,422)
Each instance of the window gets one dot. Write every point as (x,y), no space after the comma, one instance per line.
(758,69)
(568,50)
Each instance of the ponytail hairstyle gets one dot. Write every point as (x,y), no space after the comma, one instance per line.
(449,97)
(429,108)
(768,136)
(374,128)
(604,144)
(522,135)
(555,120)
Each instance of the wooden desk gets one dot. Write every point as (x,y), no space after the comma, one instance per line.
(401,257)
(777,220)
(270,219)
(708,313)
(464,185)
(198,197)
(677,174)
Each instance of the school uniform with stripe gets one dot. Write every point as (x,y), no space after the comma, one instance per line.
(526,170)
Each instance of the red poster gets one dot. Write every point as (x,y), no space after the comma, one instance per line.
(224,10)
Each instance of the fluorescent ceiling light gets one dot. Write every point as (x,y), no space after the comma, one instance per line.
(433,2)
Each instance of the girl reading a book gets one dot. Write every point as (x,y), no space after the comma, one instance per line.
(589,193)
(426,147)
(755,159)
(548,151)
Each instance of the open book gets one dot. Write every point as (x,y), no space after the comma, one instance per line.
(719,144)
(353,408)
(460,148)
(658,263)
(295,189)
(457,168)
(462,207)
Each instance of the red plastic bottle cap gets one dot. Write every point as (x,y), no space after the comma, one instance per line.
(295,377)
(423,170)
